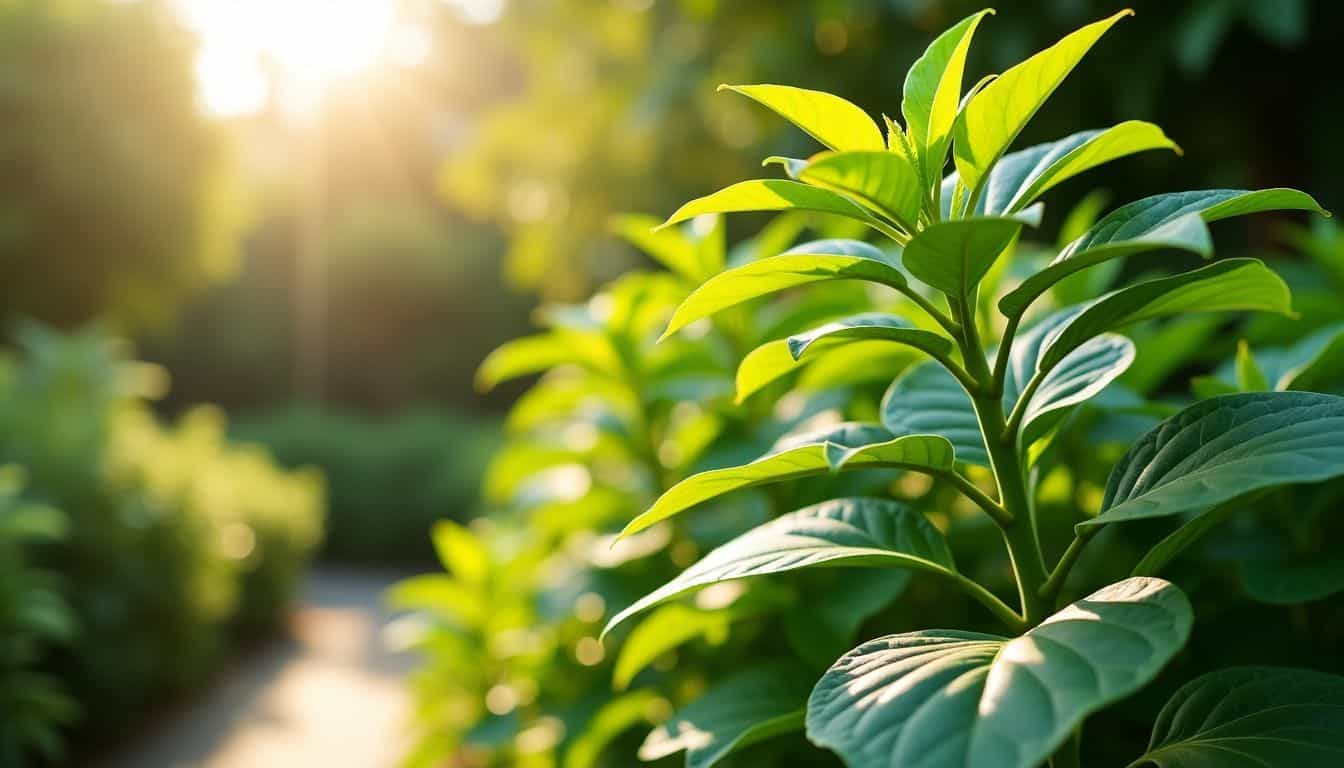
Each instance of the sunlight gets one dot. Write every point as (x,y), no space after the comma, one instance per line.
(307,43)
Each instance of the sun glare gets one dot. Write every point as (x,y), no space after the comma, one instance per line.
(308,44)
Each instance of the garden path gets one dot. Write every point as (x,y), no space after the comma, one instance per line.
(328,695)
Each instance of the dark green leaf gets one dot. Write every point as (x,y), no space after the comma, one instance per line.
(949,699)
(953,256)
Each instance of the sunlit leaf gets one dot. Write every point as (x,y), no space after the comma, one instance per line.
(541,352)
(850,532)
(665,629)
(461,552)
(1251,717)
(1021,177)
(951,699)
(614,718)
(1219,449)
(814,262)
(1176,220)
(993,119)
(883,181)
(744,708)
(771,195)
(1234,284)
(932,93)
(668,246)
(833,121)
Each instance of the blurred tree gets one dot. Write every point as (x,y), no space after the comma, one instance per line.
(115,196)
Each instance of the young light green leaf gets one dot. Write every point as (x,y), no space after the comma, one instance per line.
(841,532)
(950,699)
(667,628)
(883,181)
(1234,284)
(814,262)
(1175,220)
(1219,449)
(931,95)
(795,456)
(793,167)
(833,121)
(773,360)
(1251,717)
(993,119)
(953,256)
(927,400)
(541,352)
(669,247)
(1249,376)
(745,708)
(461,552)
(772,195)
(613,719)
(1021,177)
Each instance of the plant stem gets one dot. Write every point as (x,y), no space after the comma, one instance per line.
(1050,589)
(1024,549)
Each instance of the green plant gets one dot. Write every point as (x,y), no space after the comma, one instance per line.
(981,417)
(34,618)
(177,541)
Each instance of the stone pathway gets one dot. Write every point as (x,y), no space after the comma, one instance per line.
(329,695)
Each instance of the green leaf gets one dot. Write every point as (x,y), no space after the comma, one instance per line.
(613,719)
(1079,377)
(1294,579)
(953,256)
(1313,363)
(866,327)
(1225,447)
(461,552)
(850,532)
(666,628)
(994,118)
(794,456)
(1021,177)
(775,359)
(1175,220)
(745,708)
(669,247)
(833,121)
(1251,717)
(883,181)
(950,699)
(772,195)
(932,93)
(1234,284)
(541,352)
(1249,376)
(823,621)
(814,262)
(927,400)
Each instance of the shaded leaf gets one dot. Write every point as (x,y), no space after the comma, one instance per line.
(953,256)
(1251,717)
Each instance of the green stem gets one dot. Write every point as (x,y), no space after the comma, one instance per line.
(1000,609)
(1024,548)
(981,499)
(1050,589)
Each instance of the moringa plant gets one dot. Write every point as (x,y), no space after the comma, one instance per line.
(1000,382)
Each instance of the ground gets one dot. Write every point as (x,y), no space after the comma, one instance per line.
(330,694)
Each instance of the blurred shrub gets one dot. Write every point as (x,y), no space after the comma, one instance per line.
(115,192)
(389,477)
(33,619)
(177,540)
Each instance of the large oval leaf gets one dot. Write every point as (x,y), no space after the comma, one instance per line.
(833,121)
(953,256)
(997,114)
(1225,447)
(883,181)
(850,532)
(770,195)
(948,699)
(1176,220)
(814,262)
(800,456)
(1234,284)
(931,94)
(1021,177)
(1251,717)
(745,708)
(927,400)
